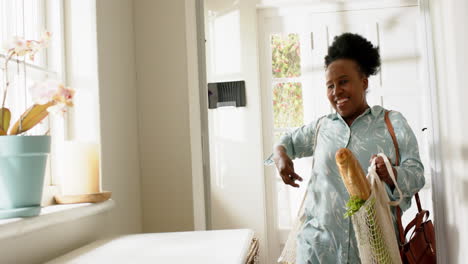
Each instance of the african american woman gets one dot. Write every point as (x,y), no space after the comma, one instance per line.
(326,236)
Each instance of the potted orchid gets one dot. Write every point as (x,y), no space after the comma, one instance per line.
(23,157)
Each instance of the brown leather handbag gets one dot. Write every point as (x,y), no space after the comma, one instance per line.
(421,245)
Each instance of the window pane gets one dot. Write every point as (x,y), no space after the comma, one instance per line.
(288,109)
(21,78)
(34,26)
(286,56)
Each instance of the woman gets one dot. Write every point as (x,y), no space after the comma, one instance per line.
(328,237)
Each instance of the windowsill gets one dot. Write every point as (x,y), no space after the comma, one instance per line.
(51,215)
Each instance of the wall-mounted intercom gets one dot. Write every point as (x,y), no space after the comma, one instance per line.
(226,94)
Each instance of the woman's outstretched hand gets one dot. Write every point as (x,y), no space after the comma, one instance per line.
(285,167)
(382,171)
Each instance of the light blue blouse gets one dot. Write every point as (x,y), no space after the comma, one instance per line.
(328,237)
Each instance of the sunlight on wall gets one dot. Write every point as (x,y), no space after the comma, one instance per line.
(229,124)
(227,48)
(81,48)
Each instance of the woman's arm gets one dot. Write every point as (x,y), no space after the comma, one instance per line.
(295,144)
(298,143)
(285,166)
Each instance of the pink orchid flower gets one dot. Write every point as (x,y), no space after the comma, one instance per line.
(43,92)
(64,95)
(52,90)
(18,46)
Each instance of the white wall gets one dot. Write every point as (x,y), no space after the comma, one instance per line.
(163,72)
(101,67)
(118,112)
(237,184)
(449,22)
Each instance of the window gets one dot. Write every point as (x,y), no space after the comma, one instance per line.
(288,108)
(30,19)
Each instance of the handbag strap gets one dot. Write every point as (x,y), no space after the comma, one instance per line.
(397,163)
(392,133)
(420,218)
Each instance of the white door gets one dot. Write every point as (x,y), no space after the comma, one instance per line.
(293,43)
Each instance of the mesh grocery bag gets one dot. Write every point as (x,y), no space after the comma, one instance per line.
(288,255)
(373,225)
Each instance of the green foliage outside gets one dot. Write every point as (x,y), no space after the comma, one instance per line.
(286,56)
(288,110)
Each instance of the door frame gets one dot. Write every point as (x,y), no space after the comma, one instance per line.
(438,180)
(201,185)
(264,11)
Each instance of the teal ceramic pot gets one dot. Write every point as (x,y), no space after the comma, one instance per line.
(23,161)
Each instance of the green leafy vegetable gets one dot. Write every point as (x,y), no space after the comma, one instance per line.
(353,205)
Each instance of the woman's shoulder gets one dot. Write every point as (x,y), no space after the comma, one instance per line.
(394,115)
(398,120)
(312,126)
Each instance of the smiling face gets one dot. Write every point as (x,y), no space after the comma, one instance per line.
(346,89)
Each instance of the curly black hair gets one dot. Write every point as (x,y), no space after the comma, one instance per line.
(357,48)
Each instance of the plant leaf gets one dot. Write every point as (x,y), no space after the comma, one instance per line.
(31,117)
(5,117)
(353,205)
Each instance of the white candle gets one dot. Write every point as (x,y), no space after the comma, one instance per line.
(79,168)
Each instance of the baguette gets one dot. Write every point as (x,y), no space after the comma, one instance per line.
(352,174)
